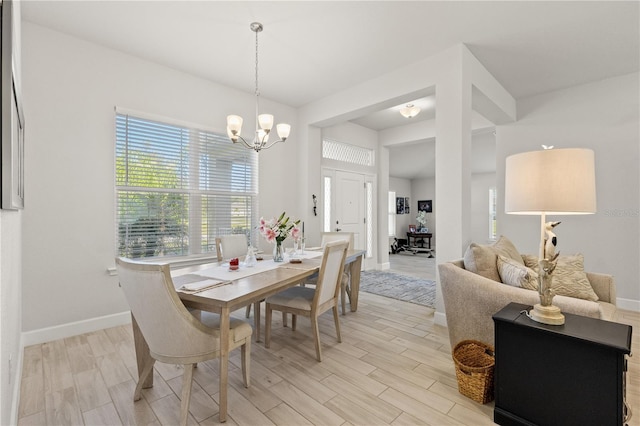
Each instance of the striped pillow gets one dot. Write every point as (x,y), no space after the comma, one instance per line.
(517,275)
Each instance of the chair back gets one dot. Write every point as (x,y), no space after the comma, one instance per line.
(330,271)
(233,245)
(172,333)
(328,237)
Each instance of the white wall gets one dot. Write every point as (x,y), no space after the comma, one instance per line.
(70,89)
(603,116)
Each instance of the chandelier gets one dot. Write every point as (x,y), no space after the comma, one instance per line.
(264,122)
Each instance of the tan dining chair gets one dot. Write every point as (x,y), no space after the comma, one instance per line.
(173,334)
(235,245)
(311,302)
(230,246)
(345,283)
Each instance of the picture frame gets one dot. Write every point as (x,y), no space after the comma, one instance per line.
(12,123)
(399,205)
(425,206)
(412,229)
(406,205)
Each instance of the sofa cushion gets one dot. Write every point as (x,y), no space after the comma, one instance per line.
(569,278)
(516,274)
(482,260)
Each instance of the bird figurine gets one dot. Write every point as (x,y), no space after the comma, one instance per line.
(550,241)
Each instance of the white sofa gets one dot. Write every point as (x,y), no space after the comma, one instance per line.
(470,301)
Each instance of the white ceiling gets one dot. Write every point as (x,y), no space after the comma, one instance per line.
(312,49)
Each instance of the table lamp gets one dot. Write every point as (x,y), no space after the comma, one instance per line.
(554,182)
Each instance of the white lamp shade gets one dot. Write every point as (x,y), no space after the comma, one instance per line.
(283,130)
(234,123)
(263,136)
(265,121)
(551,181)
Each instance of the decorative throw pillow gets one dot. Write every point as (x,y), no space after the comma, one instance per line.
(569,278)
(516,274)
(482,260)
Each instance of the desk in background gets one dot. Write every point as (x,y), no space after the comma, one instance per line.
(418,237)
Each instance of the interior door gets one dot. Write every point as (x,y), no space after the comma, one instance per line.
(350,204)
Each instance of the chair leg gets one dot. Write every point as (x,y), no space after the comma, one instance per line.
(316,336)
(245,353)
(148,369)
(284,319)
(187,379)
(336,319)
(294,322)
(267,326)
(248,313)
(343,296)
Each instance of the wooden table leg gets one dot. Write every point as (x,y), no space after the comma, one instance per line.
(256,312)
(224,362)
(142,352)
(355,267)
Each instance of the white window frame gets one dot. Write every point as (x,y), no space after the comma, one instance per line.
(392,214)
(493,226)
(215,180)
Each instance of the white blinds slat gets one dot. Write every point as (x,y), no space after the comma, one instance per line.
(178,188)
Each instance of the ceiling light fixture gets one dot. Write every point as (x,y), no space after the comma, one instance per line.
(410,111)
(264,122)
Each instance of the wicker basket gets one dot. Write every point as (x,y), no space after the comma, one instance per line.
(474,370)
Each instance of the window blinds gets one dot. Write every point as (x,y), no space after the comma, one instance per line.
(178,188)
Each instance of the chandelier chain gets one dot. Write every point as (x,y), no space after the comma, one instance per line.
(257,91)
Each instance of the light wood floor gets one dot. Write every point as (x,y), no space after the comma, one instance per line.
(393,367)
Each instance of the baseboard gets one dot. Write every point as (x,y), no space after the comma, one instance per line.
(62,331)
(440,318)
(384,266)
(628,304)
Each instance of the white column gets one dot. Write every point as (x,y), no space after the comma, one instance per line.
(453,167)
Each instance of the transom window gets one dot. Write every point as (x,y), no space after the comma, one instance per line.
(178,188)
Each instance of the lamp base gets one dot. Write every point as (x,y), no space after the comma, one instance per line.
(546,314)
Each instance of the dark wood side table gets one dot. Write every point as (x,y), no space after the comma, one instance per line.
(418,237)
(571,374)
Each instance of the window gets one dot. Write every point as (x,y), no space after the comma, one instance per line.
(334,150)
(392,213)
(327,204)
(493,229)
(178,188)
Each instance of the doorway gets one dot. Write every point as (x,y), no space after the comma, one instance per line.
(348,200)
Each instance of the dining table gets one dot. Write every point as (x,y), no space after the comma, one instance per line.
(224,291)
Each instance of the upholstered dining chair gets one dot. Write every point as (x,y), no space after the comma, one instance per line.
(311,302)
(345,283)
(172,333)
(235,245)
(230,246)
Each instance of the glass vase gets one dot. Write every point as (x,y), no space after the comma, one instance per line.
(278,252)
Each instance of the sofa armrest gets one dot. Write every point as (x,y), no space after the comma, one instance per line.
(604,286)
(471,300)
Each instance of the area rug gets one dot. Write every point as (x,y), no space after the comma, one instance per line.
(401,287)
